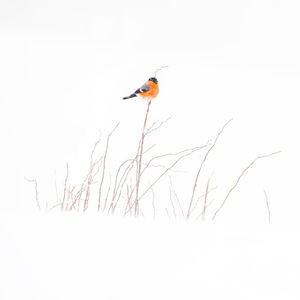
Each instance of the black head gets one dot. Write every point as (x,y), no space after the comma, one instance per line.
(153,79)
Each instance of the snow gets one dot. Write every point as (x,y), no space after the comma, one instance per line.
(92,257)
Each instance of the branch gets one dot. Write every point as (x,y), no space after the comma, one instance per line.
(205,200)
(169,154)
(159,69)
(139,165)
(65,187)
(200,168)
(169,168)
(239,178)
(155,125)
(36,191)
(192,150)
(268,207)
(104,165)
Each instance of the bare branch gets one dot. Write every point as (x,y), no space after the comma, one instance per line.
(239,178)
(104,166)
(69,196)
(139,163)
(169,168)
(65,187)
(129,195)
(158,125)
(171,200)
(205,200)
(54,206)
(79,193)
(149,148)
(162,167)
(90,177)
(159,69)
(268,207)
(94,149)
(36,191)
(169,154)
(120,183)
(167,212)
(200,168)
(106,198)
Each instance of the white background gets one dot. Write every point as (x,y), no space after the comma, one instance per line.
(65,66)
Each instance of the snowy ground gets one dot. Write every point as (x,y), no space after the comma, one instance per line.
(87,257)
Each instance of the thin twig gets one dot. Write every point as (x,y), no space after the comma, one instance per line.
(90,179)
(79,193)
(200,168)
(120,183)
(169,168)
(207,206)
(154,128)
(107,194)
(205,200)
(171,200)
(36,191)
(178,203)
(167,212)
(104,166)
(139,165)
(169,154)
(172,192)
(159,69)
(128,198)
(268,207)
(65,187)
(163,167)
(239,178)
(91,174)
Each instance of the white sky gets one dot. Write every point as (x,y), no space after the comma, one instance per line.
(65,65)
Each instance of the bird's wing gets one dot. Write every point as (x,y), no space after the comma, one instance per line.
(144,88)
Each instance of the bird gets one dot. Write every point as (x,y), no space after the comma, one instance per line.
(148,91)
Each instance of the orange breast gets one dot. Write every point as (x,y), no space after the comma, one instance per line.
(152,93)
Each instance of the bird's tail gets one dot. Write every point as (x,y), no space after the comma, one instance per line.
(128,97)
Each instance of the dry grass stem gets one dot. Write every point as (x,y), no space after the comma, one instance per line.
(159,69)
(139,178)
(36,191)
(239,178)
(268,207)
(156,125)
(170,167)
(104,166)
(139,163)
(171,200)
(65,187)
(205,200)
(200,168)
(107,194)
(185,153)
(170,154)
(167,211)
